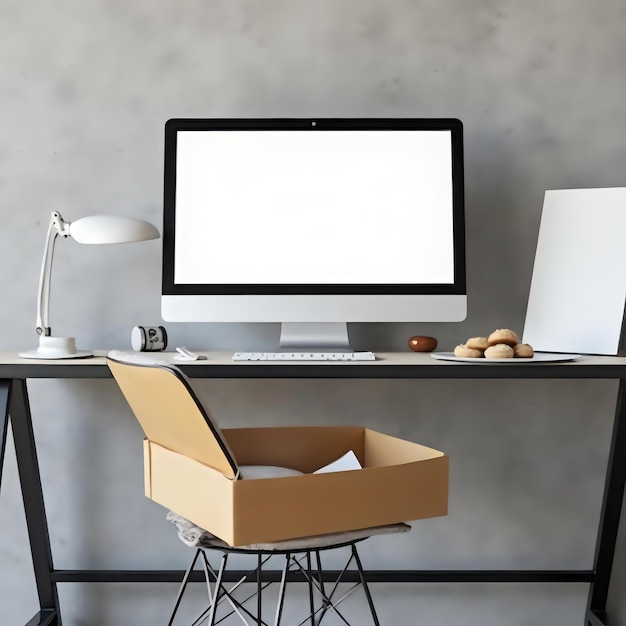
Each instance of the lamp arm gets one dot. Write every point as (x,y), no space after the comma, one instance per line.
(56,227)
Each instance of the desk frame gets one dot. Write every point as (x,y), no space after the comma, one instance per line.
(14,407)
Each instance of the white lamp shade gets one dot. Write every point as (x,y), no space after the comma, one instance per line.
(101,229)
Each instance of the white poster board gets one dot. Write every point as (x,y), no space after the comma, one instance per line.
(578,287)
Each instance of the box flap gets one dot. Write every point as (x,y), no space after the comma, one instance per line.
(382,450)
(171,415)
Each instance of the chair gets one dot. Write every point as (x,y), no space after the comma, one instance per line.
(176,424)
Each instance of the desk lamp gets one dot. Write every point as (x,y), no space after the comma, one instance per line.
(97,229)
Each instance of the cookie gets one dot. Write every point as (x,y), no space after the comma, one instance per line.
(503,335)
(499,351)
(523,351)
(477,343)
(463,351)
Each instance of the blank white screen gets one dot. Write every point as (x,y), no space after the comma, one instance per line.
(314,207)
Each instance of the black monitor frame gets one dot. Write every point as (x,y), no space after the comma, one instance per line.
(172,126)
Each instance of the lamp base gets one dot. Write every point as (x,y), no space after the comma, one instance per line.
(56,348)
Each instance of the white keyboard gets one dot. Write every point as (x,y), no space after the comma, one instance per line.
(304,356)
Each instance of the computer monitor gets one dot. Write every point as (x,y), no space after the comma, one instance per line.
(314,223)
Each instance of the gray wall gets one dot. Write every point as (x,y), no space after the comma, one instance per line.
(85,88)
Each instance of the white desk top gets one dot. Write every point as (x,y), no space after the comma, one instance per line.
(387,365)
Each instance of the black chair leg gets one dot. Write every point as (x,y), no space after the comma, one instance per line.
(217,589)
(366,589)
(259,589)
(320,579)
(182,587)
(281,590)
(309,573)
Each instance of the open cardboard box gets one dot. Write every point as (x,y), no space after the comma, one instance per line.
(400,481)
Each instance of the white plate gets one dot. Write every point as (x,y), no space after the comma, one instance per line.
(540,357)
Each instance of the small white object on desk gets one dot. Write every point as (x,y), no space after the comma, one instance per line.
(187,355)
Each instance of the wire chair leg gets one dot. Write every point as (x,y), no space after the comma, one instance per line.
(320,578)
(183,586)
(327,599)
(364,583)
(217,589)
(281,591)
(207,576)
(309,576)
(259,589)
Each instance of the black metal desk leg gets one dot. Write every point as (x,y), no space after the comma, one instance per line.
(5,387)
(610,516)
(32,495)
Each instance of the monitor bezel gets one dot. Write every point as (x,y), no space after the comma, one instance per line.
(173,126)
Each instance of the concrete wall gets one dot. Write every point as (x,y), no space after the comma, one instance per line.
(85,88)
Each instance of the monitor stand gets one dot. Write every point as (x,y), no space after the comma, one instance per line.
(314,337)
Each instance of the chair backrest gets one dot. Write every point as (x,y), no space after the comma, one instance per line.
(169,412)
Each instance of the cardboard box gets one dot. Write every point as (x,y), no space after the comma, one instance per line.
(400,481)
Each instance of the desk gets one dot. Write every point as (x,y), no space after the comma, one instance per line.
(14,405)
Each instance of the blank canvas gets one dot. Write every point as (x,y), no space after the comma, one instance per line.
(578,288)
